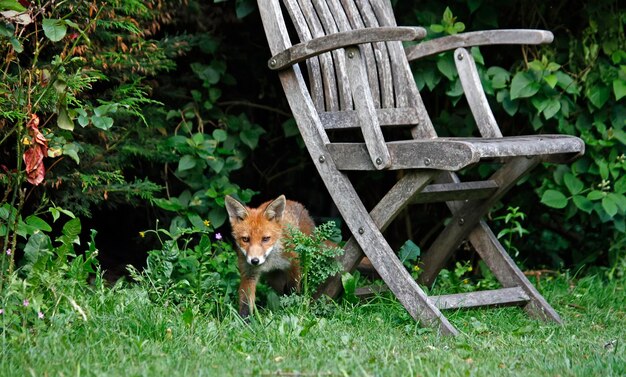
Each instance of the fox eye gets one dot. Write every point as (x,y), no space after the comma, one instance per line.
(245,239)
(266,239)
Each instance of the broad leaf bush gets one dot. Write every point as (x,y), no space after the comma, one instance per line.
(573,86)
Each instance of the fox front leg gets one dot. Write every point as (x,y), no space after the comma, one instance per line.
(247,295)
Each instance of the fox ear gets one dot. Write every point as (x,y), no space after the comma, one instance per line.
(236,211)
(275,209)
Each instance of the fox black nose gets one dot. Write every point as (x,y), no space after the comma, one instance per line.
(254,261)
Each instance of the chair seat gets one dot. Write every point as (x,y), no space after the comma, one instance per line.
(455,153)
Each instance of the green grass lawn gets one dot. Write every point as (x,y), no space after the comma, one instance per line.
(126,334)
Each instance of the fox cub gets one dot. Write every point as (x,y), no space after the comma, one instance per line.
(259,234)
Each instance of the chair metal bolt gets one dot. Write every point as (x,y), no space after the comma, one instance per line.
(273,62)
(461,221)
(379,161)
(361,231)
(351,54)
(427,161)
(322,159)
(459,56)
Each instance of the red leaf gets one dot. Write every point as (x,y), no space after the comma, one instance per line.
(33,156)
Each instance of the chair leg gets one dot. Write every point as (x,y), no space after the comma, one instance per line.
(507,272)
(467,215)
(370,239)
(383,214)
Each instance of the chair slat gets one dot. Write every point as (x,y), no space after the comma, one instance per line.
(444,192)
(326,62)
(381,55)
(386,117)
(367,51)
(316,87)
(502,296)
(331,26)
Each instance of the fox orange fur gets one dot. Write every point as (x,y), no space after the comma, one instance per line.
(259,234)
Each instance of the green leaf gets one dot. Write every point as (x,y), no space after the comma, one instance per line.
(554,199)
(409,252)
(102,122)
(186,162)
(620,200)
(583,203)
(349,287)
(71,150)
(250,137)
(196,221)
(609,205)
(552,80)
(54,29)
(11,5)
(172,204)
(596,195)
(220,135)
(446,66)
(524,85)
(619,88)
(38,223)
(64,121)
(552,108)
(217,164)
(72,229)
(188,317)
(598,95)
(244,8)
(573,184)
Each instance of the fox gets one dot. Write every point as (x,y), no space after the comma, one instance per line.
(259,235)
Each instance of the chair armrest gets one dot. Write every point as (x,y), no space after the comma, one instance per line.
(305,50)
(478,38)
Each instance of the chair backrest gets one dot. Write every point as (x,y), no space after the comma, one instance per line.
(390,80)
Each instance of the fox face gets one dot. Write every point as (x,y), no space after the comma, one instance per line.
(257,231)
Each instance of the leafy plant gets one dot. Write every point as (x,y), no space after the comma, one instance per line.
(512,226)
(190,268)
(316,255)
(207,146)
(51,276)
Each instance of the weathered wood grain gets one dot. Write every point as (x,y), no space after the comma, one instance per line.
(322,44)
(478,38)
(475,94)
(366,113)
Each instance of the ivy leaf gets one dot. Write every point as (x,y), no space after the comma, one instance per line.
(216,164)
(619,88)
(186,162)
(524,85)
(250,137)
(552,80)
(220,135)
(103,123)
(598,95)
(54,29)
(554,199)
(552,108)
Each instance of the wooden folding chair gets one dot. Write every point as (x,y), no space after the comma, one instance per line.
(358,77)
